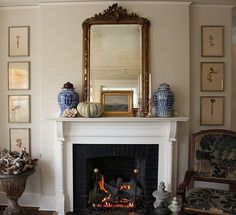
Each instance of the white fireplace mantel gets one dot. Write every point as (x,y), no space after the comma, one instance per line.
(113,130)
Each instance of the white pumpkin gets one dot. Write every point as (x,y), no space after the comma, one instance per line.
(89,109)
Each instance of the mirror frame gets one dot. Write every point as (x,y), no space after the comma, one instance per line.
(116,15)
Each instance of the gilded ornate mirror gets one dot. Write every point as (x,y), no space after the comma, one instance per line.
(115,55)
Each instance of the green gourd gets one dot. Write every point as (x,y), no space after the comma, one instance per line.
(89,109)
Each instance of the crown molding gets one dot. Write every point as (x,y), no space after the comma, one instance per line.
(15,3)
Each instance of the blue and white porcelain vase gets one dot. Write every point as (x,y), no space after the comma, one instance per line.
(67,98)
(163,100)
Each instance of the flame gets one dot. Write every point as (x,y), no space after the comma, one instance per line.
(125,187)
(101,184)
(118,203)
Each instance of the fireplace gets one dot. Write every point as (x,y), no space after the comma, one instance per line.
(114,176)
(118,133)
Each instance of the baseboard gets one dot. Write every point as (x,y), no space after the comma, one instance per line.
(47,203)
(35,200)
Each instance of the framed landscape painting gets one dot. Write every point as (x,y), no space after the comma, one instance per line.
(117,103)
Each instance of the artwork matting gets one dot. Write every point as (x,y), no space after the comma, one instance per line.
(19,75)
(18,41)
(19,139)
(212,110)
(212,76)
(19,108)
(212,41)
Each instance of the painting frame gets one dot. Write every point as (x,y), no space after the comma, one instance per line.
(117,103)
(20,138)
(18,75)
(212,110)
(212,41)
(212,76)
(18,41)
(19,109)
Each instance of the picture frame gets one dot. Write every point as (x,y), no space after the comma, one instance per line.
(117,103)
(212,41)
(19,108)
(212,76)
(18,41)
(19,75)
(19,138)
(212,110)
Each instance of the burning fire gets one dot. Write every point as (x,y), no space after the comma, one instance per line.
(101,184)
(107,202)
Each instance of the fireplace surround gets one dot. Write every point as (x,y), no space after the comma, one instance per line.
(113,131)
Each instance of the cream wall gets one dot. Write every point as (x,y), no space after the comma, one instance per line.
(27,16)
(56,57)
(209,15)
(62,59)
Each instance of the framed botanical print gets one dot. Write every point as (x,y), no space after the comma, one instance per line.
(212,110)
(18,41)
(212,76)
(19,108)
(19,75)
(117,103)
(19,139)
(212,42)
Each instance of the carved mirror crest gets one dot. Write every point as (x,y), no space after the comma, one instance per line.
(115,55)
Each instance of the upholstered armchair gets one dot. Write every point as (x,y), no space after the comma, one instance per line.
(210,184)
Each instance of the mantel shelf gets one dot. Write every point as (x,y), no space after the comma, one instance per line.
(121,119)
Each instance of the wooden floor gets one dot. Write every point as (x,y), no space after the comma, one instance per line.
(32,211)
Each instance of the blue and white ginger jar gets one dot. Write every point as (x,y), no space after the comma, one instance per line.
(67,98)
(163,100)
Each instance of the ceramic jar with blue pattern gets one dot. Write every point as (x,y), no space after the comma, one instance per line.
(67,98)
(163,100)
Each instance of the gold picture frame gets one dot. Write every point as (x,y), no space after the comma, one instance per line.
(212,41)
(212,76)
(19,108)
(18,41)
(117,103)
(19,138)
(19,75)
(212,110)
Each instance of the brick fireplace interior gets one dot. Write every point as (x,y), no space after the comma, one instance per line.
(129,163)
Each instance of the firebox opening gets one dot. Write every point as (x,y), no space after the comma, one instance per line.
(116,165)
(115,182)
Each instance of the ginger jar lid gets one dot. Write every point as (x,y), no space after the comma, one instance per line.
(164,86)
(68,86)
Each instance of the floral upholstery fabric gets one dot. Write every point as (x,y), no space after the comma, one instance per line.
(212,200)
(215,156)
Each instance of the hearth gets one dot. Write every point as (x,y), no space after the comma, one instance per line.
(108,177)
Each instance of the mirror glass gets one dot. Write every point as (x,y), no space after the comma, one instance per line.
(115,56)
(115,59)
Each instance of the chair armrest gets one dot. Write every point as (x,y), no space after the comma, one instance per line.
(182,187)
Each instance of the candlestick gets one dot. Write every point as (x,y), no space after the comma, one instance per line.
(150,87)
(140,87)
(150,97)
